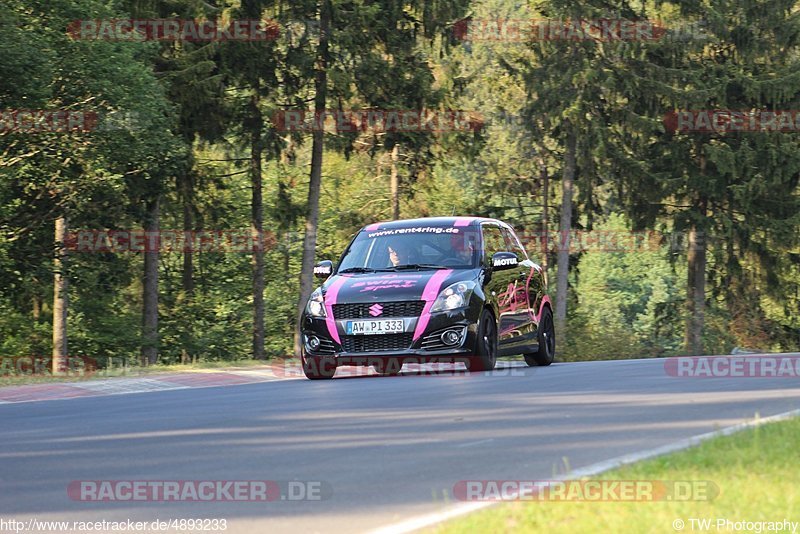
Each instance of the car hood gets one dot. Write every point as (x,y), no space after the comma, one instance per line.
(388,287)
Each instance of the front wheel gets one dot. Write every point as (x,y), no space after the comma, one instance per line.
(547,342)
(486,345)
(319,368)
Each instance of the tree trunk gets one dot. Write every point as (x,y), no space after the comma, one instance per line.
(696,270)
(60,299)
(257,224)
(545,177)
(562,274)
(315,182)
(395,183)
(695,290)
(150,290)
(187,273)
(38,304)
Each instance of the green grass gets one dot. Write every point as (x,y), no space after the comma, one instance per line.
(757,472)
(130,371)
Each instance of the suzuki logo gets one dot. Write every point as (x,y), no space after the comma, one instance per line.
(375,310)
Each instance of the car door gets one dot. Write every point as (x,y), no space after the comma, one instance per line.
(502,284)
(530,285)
(520,313)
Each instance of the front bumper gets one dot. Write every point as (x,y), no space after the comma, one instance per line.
(402,348)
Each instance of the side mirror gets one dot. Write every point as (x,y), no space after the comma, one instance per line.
(504,260)
(323,269)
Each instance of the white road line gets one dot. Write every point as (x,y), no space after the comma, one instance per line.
(264,375)
(127,385)
(407,442)
(428,520)
(474,443)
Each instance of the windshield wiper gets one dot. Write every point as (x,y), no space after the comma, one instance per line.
(356,270)
(418,266)
(363,270)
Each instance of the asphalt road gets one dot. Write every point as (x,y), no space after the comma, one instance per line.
(388,448)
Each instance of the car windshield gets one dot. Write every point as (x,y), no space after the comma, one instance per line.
(412,248)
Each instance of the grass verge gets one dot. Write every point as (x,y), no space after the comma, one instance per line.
(756,471)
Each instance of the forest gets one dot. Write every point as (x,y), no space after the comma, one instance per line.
(171,171)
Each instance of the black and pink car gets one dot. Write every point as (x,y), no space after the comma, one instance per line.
(448,289)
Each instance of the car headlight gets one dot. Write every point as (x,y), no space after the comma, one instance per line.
(316,304)
(454,296)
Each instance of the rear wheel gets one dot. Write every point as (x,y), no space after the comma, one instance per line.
(319,368)
(486,345)
(547,342)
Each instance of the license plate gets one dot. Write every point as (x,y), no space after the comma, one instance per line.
(378,326)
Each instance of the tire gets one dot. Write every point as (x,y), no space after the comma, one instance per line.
(486,344)
(319,368)
(547,342)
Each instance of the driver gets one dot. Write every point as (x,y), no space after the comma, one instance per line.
(463,248)
(399,253)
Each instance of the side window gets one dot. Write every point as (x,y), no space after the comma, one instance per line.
(493,241)
(513,244)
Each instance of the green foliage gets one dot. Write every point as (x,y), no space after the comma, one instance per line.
(629,302)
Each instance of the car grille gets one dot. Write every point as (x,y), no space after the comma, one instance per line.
(377,343)
(405,308)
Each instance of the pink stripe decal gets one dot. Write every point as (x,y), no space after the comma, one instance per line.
(528,297)
(545,299)
(330,300)
(463,221)
(429,295)
(372,227)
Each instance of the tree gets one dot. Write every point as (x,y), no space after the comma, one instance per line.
(315,178)
(50,172)
(254,64)
(60,297)
(732,192)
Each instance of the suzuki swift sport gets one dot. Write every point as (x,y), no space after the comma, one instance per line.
(450,289)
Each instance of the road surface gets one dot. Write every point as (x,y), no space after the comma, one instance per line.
(384,449)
